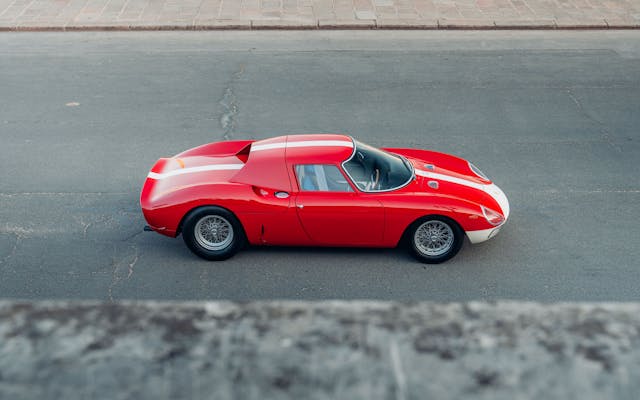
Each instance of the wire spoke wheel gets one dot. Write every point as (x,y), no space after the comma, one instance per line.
(213,232)
(433,238)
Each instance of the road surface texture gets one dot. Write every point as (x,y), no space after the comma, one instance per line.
(552,118)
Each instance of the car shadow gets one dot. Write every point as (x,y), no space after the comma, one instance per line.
(397,254)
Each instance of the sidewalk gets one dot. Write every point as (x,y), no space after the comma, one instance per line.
(34,15)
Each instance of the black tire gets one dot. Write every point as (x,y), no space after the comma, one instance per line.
(447,241)
(213,233)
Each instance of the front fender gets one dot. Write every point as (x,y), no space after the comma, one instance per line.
(403,210)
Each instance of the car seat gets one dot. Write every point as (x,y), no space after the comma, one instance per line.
(308,181)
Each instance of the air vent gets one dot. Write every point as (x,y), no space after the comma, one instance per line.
(429,166)
(433,184)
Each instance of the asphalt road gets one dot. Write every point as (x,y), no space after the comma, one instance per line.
(552,117)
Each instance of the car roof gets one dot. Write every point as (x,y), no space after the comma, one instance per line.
(306,149)
(266,165)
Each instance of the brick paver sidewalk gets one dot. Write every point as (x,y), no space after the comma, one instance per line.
(317,14)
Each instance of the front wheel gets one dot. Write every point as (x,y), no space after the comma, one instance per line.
(435,239)
(212,233)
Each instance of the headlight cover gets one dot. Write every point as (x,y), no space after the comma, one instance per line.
(492,217)
(477,171)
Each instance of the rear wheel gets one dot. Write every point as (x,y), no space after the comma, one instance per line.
(212,233)
(435,239)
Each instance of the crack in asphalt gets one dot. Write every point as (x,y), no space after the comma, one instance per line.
(14,248)
(203,281)
(605,132)
(87,224)
(132,236)
(117,276)
(21,231)
(229,103)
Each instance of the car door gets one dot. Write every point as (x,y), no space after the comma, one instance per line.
(332,213)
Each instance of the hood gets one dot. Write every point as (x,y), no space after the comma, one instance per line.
(448,175)
(440,163)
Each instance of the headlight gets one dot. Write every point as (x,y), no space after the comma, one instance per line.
(492,217)
(477,171)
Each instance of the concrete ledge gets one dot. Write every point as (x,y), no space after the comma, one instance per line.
(284,24)
(330,24)
(346,24)
(325,350)
(221,25)
(466,23)
(317,14)
(583,24)
(393,23)
(622,23)
(525,24)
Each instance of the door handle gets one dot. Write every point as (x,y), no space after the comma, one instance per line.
(281,195)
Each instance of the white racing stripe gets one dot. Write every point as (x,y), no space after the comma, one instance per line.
(452,179)
(305,143)
(499,196)
(491,189)
(202,168)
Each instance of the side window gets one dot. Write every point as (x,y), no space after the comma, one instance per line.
(321,178)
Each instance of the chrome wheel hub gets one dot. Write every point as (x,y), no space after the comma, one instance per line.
(433,238)
(213,232)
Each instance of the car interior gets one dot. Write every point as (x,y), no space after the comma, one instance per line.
(321,178)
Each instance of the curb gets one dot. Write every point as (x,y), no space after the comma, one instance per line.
(248,25)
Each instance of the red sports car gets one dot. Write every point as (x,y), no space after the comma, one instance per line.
(320,190)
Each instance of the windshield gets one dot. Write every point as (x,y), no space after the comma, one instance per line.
(375,170)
